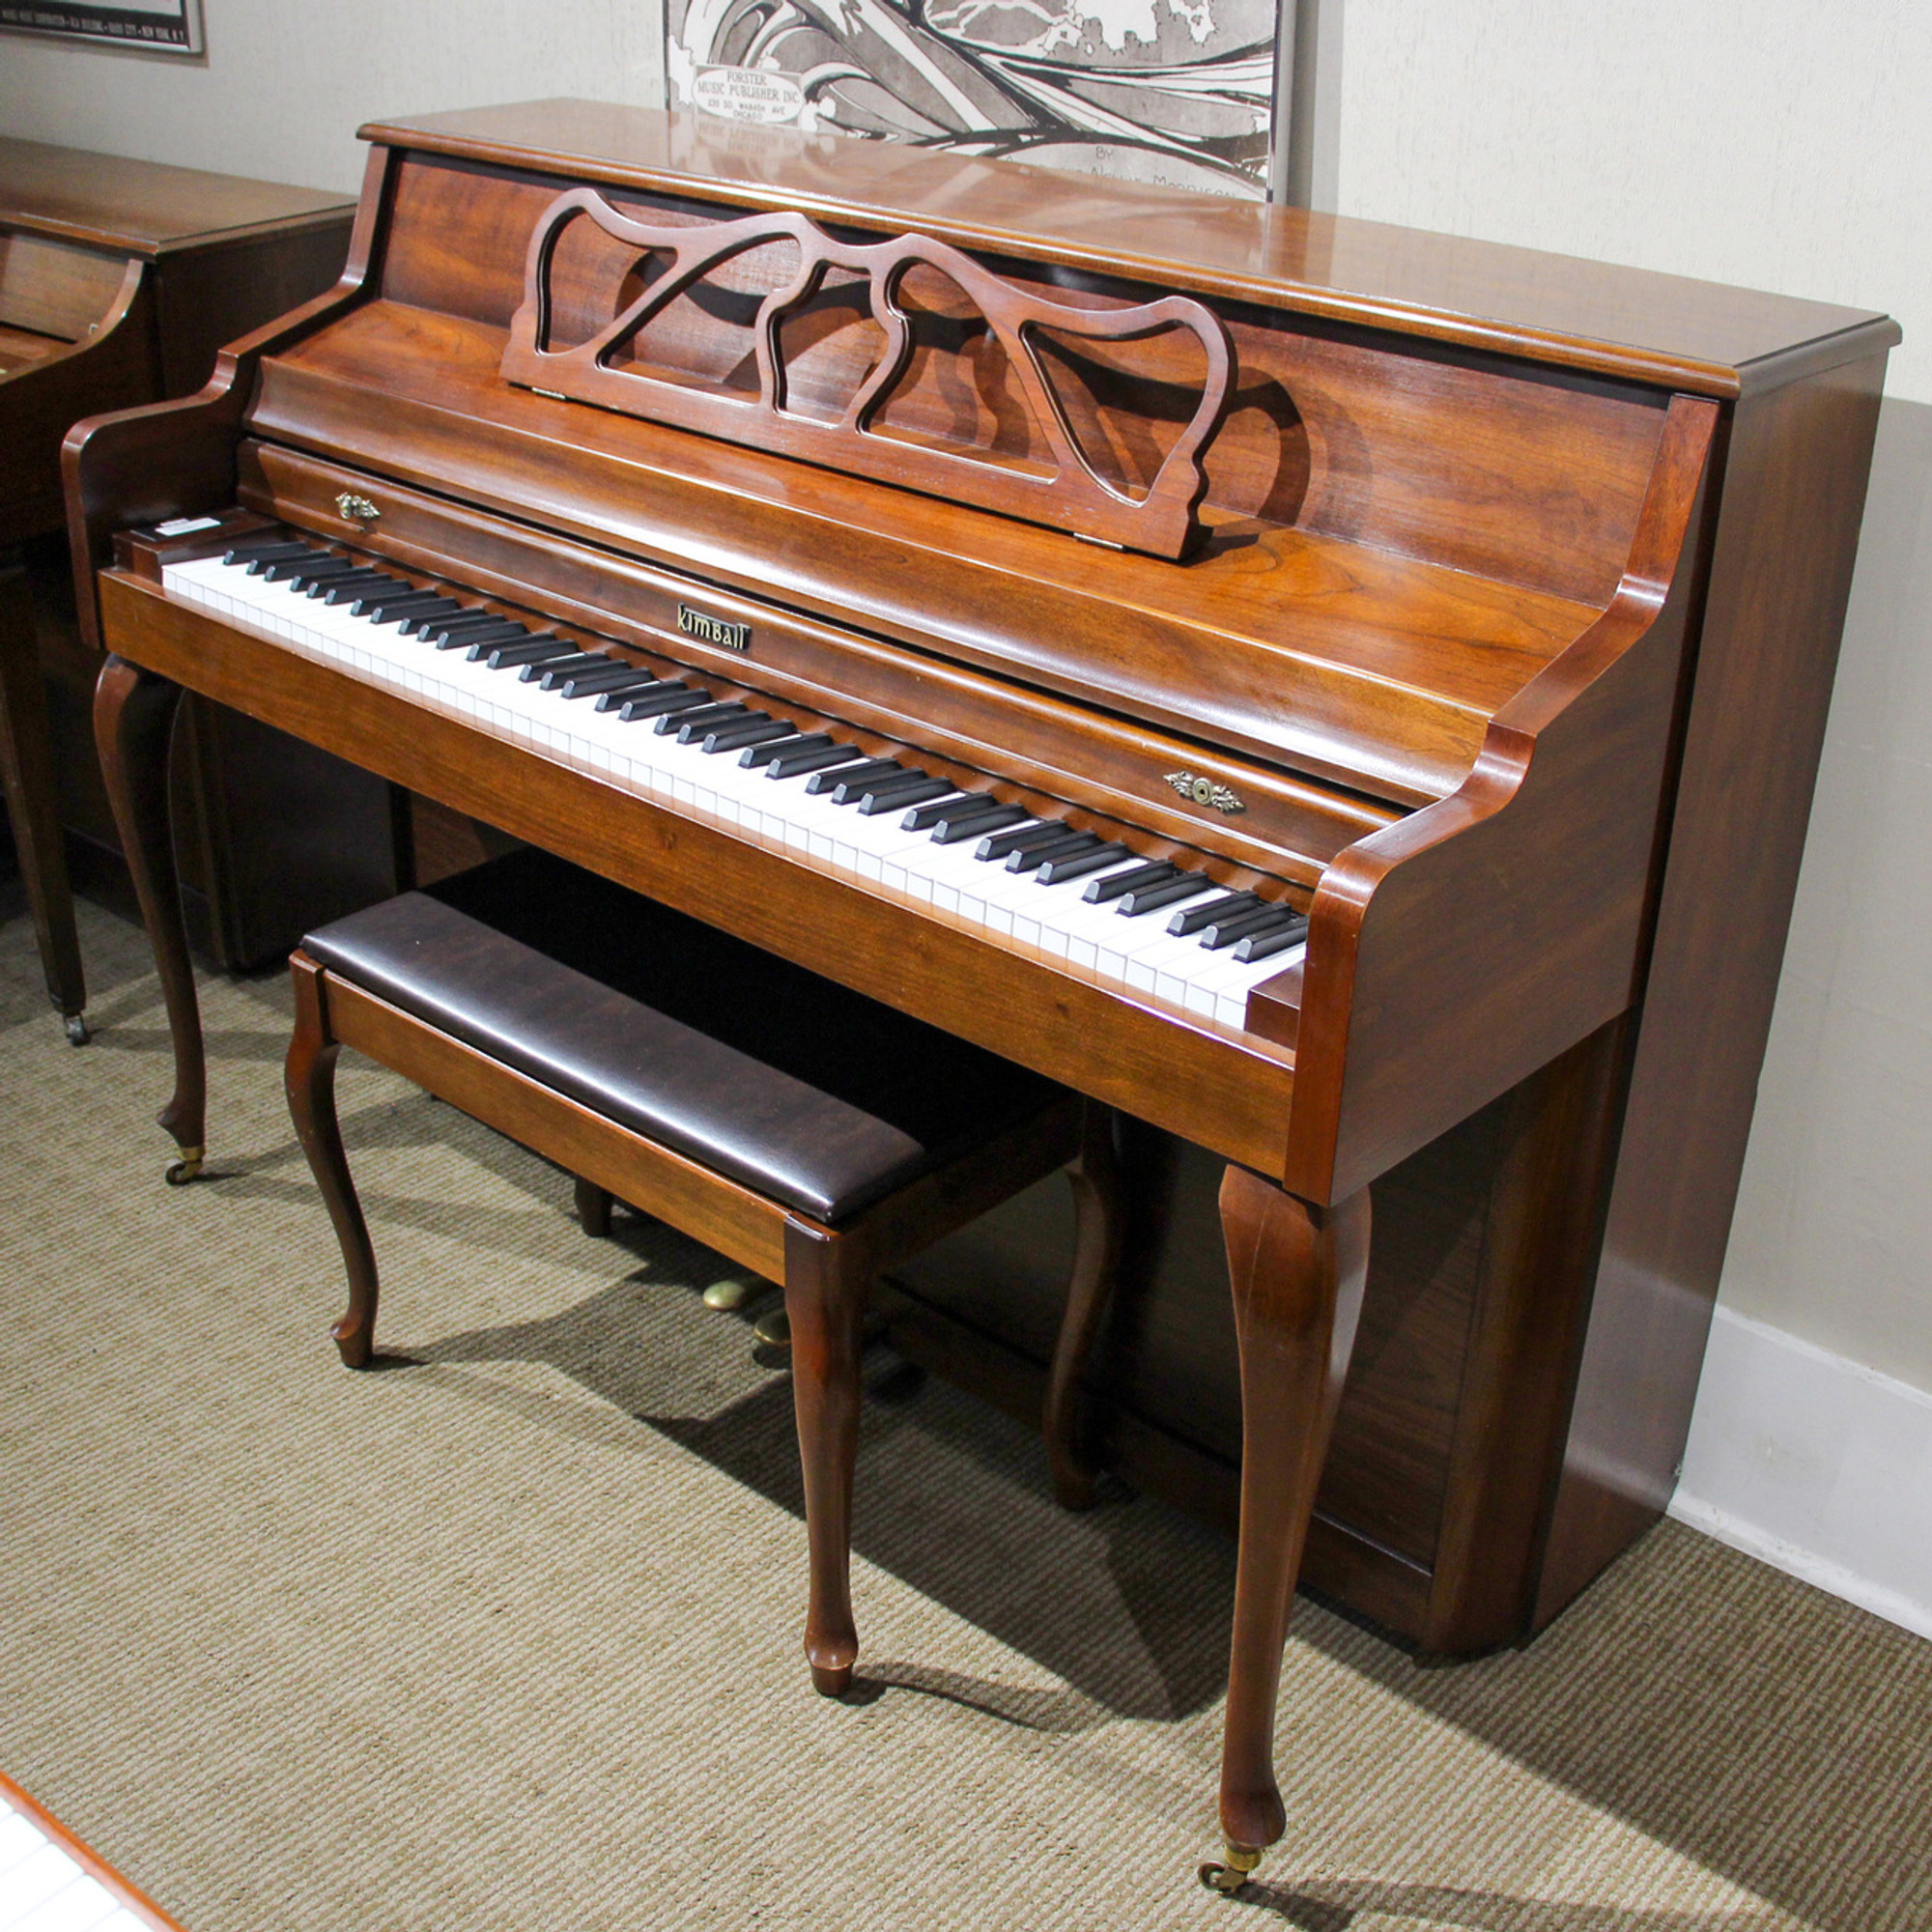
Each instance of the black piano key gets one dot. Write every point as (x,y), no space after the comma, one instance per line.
(440,629)
(1056,871)
(559,672)
(734,737)
(384,609)
(551,671)
(1223,932)
(923,817)
(415,624)
(1276,938)
(1134,879)
(587,680)
(1151,898)
(951,831)
(598,683)
(849,787)
(656,703)
(538,650)
(797,742)
(1066,846)
(870,768)
(890,797)
(311,577)
(690,725)
(346,589)
(821,758)
(277,556)
(1227,906)
(1020,839)
(247,549)
(281,570)
(615,696)
(347,583)
(478,640)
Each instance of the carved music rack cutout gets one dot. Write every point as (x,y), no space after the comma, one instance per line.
(1055,484)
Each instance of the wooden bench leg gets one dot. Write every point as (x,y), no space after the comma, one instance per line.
(825,1298)
(309,1077)
(593,1210)
(133,725)
(1097,1261)
(1297,1274)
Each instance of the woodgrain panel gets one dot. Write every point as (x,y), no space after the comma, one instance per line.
(1220,1090)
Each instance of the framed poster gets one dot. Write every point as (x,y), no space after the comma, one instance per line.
(162,26)
(1174,91)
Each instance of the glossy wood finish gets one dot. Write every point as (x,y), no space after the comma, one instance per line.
(827,1272)
(1297,1275)
(1665,330)
(1447,961)
(134,712)
(308,1079)
(1451,632)
(610,366)
(1222,1089)
(119,280)
(1780,574)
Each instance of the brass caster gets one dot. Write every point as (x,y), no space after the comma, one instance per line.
(773,1329)
(180,1172)
(729,1295)
(77,1028)
(1238,1862)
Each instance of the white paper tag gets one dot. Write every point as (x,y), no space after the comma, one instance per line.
(182,526)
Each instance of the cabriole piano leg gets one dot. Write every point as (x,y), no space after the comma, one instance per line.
(825,1299)
(1096,1256)
(308,1077)
(1297,1273)
(133,725)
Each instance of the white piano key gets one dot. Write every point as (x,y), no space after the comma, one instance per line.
(1055,922)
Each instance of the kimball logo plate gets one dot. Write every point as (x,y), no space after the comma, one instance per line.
(713,630)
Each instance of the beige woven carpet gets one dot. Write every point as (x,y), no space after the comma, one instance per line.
(507,1636)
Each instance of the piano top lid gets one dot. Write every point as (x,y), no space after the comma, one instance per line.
(1634,324)
(146,208)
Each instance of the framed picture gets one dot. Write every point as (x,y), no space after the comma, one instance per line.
(1175,91)
(158,26)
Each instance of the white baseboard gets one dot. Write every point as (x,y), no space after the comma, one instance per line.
(1815,1465)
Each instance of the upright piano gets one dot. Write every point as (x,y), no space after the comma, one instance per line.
(119,281)
(1335,694)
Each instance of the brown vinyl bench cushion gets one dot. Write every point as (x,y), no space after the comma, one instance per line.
(812,1094)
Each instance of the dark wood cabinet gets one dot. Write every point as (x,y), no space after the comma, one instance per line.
(119,281)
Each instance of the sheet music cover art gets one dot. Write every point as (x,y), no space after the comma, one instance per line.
(1173,91)
(156,26)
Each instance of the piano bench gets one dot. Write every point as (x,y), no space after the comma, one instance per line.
(812,1135)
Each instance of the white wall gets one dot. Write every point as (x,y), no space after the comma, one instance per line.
(284,83)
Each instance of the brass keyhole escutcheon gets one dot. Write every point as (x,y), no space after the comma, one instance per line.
(358,509)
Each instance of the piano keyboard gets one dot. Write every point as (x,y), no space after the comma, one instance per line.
(1030,882)
(44,1888)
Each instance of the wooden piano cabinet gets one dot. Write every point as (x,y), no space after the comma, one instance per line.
(119,281)
(1504,651)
